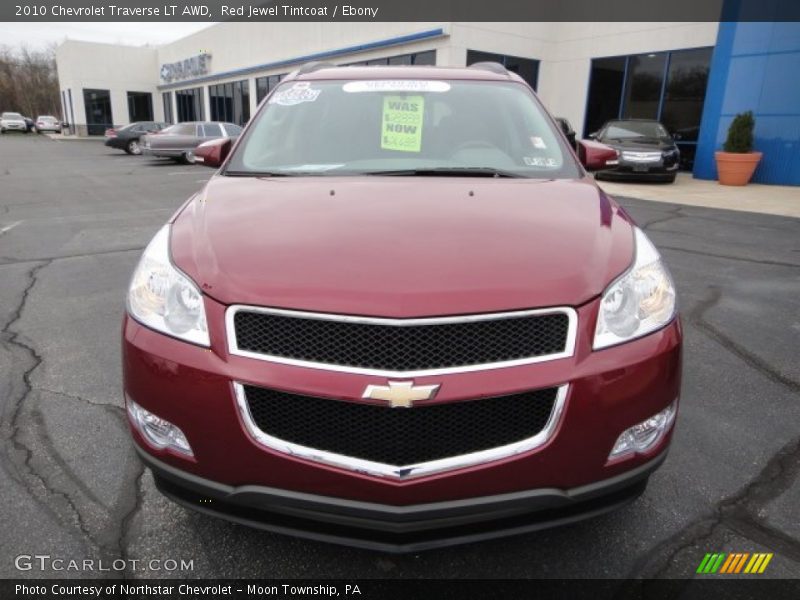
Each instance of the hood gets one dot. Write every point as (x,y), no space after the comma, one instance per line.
(641,144)
(401,246)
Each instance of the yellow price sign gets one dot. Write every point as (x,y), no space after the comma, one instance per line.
(402,123)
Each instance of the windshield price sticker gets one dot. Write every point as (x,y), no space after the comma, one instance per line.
(402,123)
(298,93)
(400,85)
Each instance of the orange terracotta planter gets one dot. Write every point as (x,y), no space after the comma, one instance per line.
(736,169)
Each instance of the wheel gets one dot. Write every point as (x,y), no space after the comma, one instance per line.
(672,179)
(133,147)
(188,157)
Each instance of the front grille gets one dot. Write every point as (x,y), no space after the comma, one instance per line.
(401,347)
(400,436)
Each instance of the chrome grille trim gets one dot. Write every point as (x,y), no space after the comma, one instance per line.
(569,346)
(367,467)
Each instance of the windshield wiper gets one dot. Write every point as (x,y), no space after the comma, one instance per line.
(450,172)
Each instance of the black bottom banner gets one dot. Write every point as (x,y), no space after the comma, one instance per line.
(406,589)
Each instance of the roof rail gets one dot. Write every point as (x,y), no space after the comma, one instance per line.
(494,67)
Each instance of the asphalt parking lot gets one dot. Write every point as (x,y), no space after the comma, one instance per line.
(74,217)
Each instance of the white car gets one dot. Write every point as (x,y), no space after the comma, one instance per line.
(47,123)
(11,121)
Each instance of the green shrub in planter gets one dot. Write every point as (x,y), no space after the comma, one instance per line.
(740,134)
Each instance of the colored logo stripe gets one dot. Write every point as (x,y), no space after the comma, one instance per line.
(721,562)
(758,563)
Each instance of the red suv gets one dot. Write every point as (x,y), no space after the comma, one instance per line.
(401,315)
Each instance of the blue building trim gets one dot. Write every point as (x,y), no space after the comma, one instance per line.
(297,60)
(704,165)
(754,67)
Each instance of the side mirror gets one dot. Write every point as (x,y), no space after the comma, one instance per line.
(594,155)
(213,153)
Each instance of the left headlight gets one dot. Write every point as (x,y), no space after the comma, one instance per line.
(163,298)
(640,301)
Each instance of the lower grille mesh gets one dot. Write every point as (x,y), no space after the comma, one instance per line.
(400,436)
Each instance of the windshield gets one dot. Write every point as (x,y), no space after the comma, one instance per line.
(402,127)
(11,116)
(621,130)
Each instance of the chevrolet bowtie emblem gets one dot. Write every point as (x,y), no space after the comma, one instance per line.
(400,394)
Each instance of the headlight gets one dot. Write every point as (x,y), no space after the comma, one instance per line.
(163,298)
(640,301)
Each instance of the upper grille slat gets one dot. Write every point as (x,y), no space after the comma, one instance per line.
(392,345)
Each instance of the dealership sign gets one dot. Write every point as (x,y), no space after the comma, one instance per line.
(189,67)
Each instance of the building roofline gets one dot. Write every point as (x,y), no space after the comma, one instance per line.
(299,60)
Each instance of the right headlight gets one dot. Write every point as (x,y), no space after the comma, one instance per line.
(639,302)
(163,298)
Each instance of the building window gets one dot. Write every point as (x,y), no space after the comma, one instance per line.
(190,104)
(264,85)
(668,86)
(605,92)
(98,111)
(685,93)
(166,98)
(527,68)
(230,102)
(417,58)
(643,86)
(140,106)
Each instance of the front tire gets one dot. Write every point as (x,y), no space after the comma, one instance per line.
(133,147)
(188,157)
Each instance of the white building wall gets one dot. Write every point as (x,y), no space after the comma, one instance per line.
(119,69)
(565,51)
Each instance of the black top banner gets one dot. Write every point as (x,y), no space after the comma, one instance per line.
(400,10)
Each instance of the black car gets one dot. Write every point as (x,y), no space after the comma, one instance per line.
(568,131)
(127,138)
(645,150)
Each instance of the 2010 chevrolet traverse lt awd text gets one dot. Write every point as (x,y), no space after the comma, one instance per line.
(401,315)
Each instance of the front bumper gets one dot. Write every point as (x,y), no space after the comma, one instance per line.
(390,528)
(662,170)
(608,391)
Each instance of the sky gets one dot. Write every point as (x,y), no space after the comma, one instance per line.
(38,35)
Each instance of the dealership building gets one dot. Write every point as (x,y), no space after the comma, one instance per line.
(693,77)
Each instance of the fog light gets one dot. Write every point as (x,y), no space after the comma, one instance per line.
(643,436)
(159,432)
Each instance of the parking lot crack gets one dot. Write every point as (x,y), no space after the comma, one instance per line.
(28,475)
(12,260)
(697,318)
(126,520)
(757,261)
(675,213)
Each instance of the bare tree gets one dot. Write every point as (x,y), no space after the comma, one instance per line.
(28,81)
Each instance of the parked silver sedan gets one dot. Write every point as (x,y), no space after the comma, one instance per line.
(47,123)
(179,141)
(12,121)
